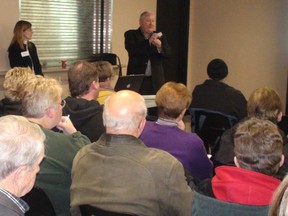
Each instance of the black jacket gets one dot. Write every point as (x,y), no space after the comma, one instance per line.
(86,116)
(9,107)
(218,96)
(16,59)
(140,51)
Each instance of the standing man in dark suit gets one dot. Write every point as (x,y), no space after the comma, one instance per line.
(146,49)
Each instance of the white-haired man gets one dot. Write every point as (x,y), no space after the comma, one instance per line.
(119,173)
(42,104)
(147,49)
(22,150)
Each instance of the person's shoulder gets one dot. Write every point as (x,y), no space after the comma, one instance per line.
(232,89)
(193,138)
(85,150)
(149,124)
(201,85)
(13,46)
(132,31)
(161,156)
(32,44)
(81,103)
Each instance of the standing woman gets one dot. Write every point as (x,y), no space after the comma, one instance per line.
(22,52)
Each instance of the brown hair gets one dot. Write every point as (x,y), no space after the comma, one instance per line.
(171,99)
(104,69)
(258,146)
(80,75)
(19,29)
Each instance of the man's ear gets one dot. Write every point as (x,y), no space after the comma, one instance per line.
(94,85)
(141,126)
(279,117)
(19,175)
(236,162)
(282,160)
(49,112)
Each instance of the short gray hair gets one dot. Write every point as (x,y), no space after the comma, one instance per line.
(145,13)
(21,144)
(130,122)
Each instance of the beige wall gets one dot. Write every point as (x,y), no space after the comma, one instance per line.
(126,16)
(8,18)
(251,36)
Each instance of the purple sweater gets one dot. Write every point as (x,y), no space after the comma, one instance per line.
(188,148)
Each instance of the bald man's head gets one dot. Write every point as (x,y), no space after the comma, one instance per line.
(123,112)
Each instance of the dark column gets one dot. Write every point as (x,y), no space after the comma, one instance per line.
(173,20)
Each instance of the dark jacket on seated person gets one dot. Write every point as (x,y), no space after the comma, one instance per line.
(9,107)
(216,95)
(86,116)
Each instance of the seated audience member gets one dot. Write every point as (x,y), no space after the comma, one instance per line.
(42,104)
(84,110)
(279,203)
(258,156)
(15,77)
(105,73)
(119,173)
(263,103)
(18,167)
(216,95)
(172,101)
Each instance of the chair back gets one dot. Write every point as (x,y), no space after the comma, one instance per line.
(112,58)
(39,203)
(88,210)
(209,126)
(204,205)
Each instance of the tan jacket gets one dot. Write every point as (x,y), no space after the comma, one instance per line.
(119,173)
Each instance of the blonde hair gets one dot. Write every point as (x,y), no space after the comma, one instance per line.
(171,99)
(38,94)
(264,103)
(279,203)
(14,79)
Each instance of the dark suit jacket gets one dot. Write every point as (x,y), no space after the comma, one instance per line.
(16,60)
(8,207)
(140,51)
(218,96)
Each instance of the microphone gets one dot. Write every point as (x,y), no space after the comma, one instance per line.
(159,34)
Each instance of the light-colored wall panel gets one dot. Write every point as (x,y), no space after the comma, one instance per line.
(8,17)
(251,36)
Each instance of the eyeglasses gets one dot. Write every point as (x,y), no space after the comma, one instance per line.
(62,103)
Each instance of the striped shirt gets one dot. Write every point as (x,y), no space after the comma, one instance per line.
(23,206)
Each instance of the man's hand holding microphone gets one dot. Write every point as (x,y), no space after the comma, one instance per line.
(155,39)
